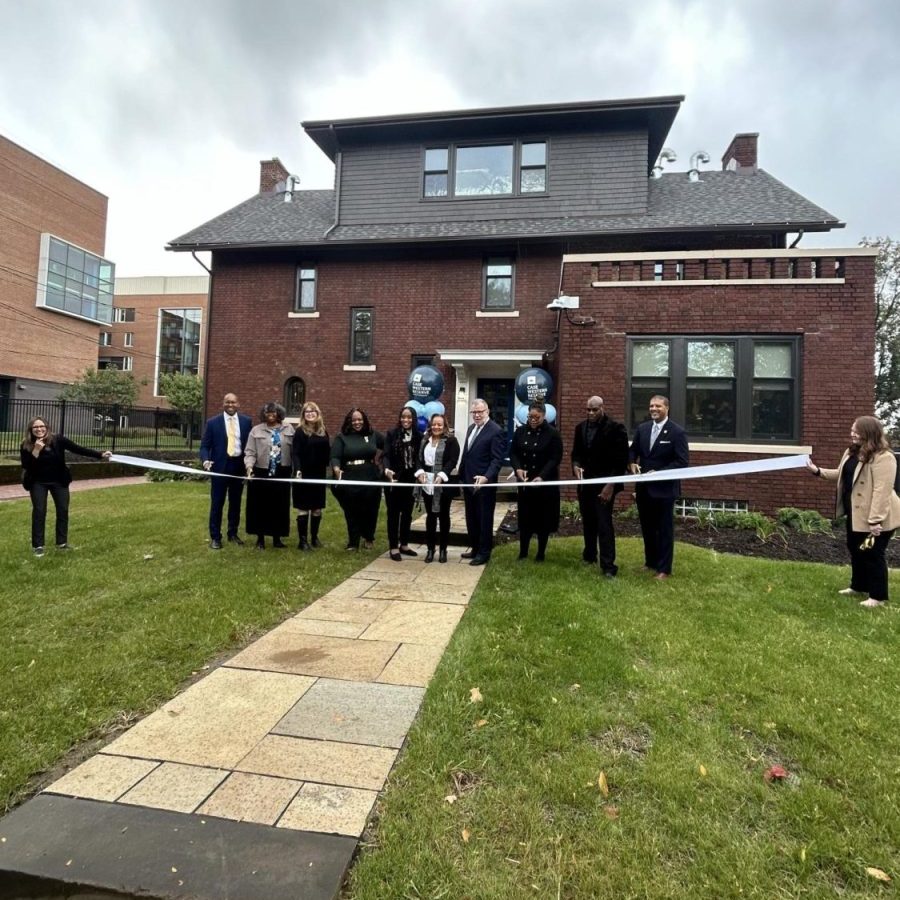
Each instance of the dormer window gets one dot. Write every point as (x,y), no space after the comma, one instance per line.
(485,170)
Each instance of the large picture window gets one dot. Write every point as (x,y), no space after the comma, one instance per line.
(74,281)
(485,170)
(741,388)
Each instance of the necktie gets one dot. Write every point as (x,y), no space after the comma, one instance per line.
(654,434)
(474,434)
(229,427)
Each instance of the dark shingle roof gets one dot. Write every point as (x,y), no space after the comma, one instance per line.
(719,200)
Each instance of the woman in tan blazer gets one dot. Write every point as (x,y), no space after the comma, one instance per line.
(865,495)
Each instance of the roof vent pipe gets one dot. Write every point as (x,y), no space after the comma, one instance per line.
(290,186)
(701,156)
(667,155)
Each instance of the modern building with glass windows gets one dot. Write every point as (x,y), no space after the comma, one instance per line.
(55,282)
(447,235)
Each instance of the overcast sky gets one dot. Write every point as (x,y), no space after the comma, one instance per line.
(167,106)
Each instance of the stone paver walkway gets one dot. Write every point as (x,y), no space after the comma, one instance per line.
(295,734)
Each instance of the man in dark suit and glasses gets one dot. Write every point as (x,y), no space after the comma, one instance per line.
(658,444)
(599,450)
(483,452)
(222,451)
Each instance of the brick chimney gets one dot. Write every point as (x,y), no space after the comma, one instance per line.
(741,153)
(271,171)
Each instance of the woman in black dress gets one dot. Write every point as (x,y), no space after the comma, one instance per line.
(438,457)
(401,457)
(268,455)
(43,457)
(312,450)
(535,454)
(354,457)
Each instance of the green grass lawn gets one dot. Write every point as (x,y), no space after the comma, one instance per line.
(679,694)
(91,638)
(682,694)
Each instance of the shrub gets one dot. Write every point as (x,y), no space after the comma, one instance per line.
(806,521)
(163,475)
(570,509)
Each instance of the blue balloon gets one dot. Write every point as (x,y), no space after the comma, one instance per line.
(551,412)
(433,408)
(533,384)
(425,383)
(522,414)
(418,407)
(423,424)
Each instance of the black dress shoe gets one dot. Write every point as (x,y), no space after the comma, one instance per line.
(396,557)
(469,554)
(408,551)
(234,539)
(260,544)
(442,556)
(479,560)
(278,543)
(215,545)
(429,556)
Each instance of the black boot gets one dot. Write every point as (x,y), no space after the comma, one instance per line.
(314,524)
(429,556)
(542,547)
(302,529)
(442,557)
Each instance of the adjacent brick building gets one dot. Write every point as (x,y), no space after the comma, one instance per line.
(448,234)
(55,286)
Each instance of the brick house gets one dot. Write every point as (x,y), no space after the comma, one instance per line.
(447,235)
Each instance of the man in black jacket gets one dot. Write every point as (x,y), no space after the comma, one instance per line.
(599,450)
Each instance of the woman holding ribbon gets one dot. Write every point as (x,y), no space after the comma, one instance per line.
(438,457)
(865,495)
(401,459)
(355,456)
(268,456)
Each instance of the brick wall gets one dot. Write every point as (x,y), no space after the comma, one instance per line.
(422,304)
(36,197)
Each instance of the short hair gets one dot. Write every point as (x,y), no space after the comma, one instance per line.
(272,407)
(662,397)
(347,427)
(481,400)
(539,405)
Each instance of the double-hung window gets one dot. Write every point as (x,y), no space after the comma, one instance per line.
(726,387)
(305,293)
(497,293)
(362,321)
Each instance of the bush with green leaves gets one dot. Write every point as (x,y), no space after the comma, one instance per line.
(806,521)
(190,468)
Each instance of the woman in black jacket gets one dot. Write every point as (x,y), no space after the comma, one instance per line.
(535,455)
(438,457)
(400,460)
(45,472)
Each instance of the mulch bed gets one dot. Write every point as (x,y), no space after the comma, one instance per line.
(792,546)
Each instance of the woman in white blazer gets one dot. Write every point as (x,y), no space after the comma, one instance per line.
(865,495)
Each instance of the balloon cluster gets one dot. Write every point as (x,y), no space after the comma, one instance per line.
(425,384)
(534,384)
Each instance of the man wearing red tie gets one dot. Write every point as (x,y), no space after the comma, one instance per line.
(483,452)
(658,444)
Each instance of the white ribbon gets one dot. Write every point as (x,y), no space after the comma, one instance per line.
(750,467)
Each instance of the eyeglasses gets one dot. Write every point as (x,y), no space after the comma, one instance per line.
(594,408)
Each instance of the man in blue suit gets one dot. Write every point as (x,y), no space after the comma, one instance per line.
(483,452)
(222,451)
(658,444)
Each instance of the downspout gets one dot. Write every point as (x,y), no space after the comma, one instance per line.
(208,324)
(797,239)
(338,166)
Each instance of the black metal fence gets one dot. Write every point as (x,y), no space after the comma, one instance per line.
(100,426)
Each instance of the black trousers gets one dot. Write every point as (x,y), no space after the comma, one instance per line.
(657,528)
(360,504)
(868,568)
(437,524)
(221,489)
(599,530)
(399,503)
(60,495)
(480,506)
